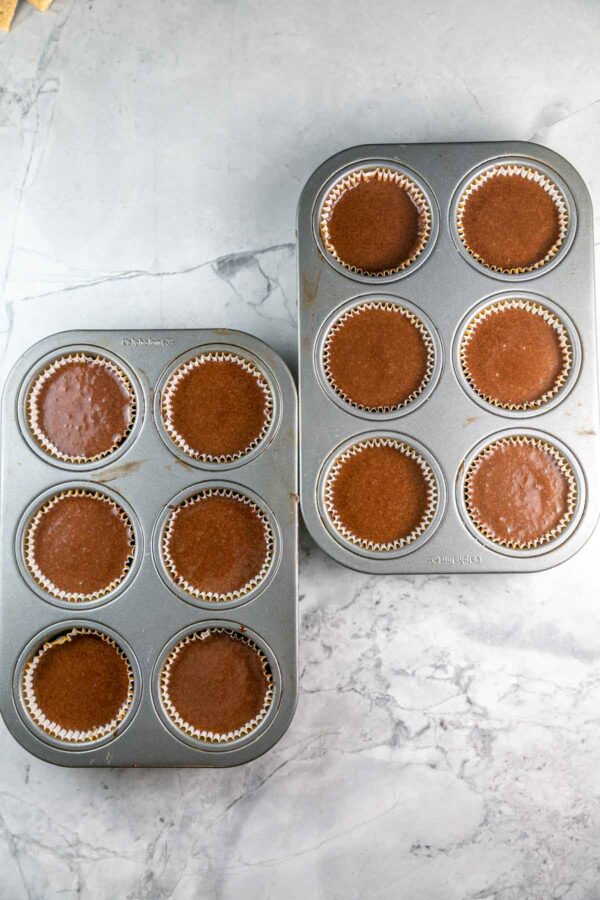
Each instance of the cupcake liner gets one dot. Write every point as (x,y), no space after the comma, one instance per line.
(381,174)
(531,174)
(32,413)
(53,728)
(210,596)
(565,468)
(175,379)
(388,307)
(549,317)
(29,548)
(210,736)
(428,475)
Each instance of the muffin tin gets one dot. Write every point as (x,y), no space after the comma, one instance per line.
(147,614)
(448,423)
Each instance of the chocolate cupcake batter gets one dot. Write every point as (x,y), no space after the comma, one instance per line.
(81,682)
(510,222)
(514,356)
(380,494)
(375,226)
(81,543)
(377,357)
(84,408)
(218,408)
(216,544)
(518,493)
(218,683)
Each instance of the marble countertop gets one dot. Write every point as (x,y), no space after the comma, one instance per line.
(447,739)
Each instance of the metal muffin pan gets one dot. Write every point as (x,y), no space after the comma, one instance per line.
(446,286)
(147,614)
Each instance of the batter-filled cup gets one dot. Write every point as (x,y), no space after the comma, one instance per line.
(217,407)
(375,221)
(520,492)
(516,354)
(79,545)
(216,685)
(78,687)
(217,545)
(512,218)
(378,356)
(80,407)
(380,494)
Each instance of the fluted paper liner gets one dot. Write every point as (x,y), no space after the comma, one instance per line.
(211,596)
(53,728)
(428,476)
(32,412)
(211,737)
(179,374)
(29,548)
(388,307)
(531,174)
(565,468)
(381,174)
(548,316)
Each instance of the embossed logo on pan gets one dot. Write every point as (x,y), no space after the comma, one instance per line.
(467,559)
(148,342)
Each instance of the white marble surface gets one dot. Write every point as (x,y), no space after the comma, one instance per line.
(447,740)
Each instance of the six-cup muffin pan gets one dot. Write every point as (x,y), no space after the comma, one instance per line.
(141,616)
(406,268)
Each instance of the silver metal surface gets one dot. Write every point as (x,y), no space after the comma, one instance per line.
(146,614)
(445,286)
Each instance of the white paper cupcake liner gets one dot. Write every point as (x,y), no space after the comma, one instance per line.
(537,309)
(171,387)
(428,476)
(531,174)
(388,307)
(211,596)
(212,737)
(29,548)
(53,728)
(32,412)
(381,174)
(565,468)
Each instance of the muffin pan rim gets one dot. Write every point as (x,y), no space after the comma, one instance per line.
(528,162)
(90,487)
(540,300)
(157,556)
(346,405)
(166,721)
(442,494)
(53,631)
(28,381)
(550,439)
(375,163)
(246,458)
